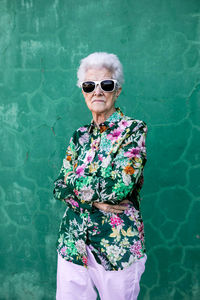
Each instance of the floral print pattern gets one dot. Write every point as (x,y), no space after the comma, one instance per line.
(103,163)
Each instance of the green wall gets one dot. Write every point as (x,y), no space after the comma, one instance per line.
(41,44)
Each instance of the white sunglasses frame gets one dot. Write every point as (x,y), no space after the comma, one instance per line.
(98,82)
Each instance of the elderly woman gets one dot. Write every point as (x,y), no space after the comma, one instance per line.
(101,238)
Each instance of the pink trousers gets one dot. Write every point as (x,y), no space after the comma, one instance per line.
(75,282)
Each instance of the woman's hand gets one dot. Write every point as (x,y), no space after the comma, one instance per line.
(112,208)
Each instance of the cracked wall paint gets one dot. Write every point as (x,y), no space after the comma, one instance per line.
(41,44)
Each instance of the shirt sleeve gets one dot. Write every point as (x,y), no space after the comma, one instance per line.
(114,181)
(120,179)
(69,184)
(61,189)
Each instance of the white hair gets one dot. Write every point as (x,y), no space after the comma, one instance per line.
(98,60)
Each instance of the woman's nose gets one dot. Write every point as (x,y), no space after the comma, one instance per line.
(98,90)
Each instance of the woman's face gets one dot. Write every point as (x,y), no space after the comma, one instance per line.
(99,101)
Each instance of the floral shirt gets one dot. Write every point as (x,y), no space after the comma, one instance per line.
(103,163)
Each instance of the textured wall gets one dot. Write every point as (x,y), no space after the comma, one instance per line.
(41,44)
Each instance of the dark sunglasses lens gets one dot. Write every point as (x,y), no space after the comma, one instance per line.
(88,86)
(107,85)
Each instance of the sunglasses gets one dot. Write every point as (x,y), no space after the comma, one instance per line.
(107,85)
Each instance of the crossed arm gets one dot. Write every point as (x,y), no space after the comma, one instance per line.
(116,182)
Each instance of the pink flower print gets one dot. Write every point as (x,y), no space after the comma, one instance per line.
(63,250)
(134,152)
(124,123)
(84,259)
(141,141)
(100,157)
(80,170)
(95,229)
(114,135)
(82,129)
(89,157)
(141,232)
(145,129)
(136,248)
(116,221)
(84,138)
(111,124)
(74,203)
(95,145)
(141,227)
(76,192)
(132,212)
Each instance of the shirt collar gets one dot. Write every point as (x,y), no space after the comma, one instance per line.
(114,118)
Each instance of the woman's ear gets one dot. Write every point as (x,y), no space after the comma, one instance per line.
(118,91)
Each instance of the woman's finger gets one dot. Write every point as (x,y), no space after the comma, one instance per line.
(110,208)
(117,211)
(119,207)
(125,201)
(116,207)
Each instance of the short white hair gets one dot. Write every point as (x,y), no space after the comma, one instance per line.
(98,60)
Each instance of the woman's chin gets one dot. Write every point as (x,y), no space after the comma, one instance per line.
(98,106)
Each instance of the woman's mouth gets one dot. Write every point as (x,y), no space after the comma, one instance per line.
(97,100)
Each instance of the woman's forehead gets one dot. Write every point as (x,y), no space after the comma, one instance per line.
(97,74)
